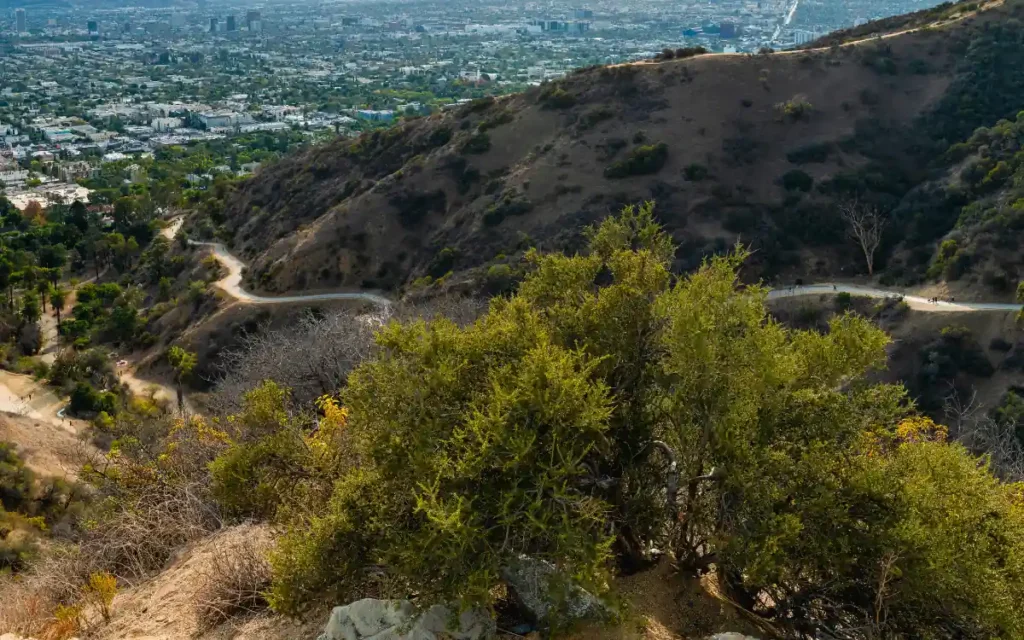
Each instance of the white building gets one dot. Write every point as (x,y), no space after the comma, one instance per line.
(165,124)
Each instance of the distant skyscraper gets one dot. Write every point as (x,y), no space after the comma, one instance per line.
(94,28)
(230,24)
(19,20)
(253,20)
(213,25)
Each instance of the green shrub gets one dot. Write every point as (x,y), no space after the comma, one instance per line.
(796,108)
(695,172)
(814,152)
(499,279)
(797,180)
(86,400)
(844,301)
(689,52)
(555,97)
(509,205)
(592,117)
(252,480)
(492,122)
(443,262)
(546,427)
(642,160)
(477,143)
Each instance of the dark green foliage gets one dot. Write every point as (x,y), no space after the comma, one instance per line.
(1000,344)
(414,207)
(1010,411)
(944,361)
(591,117)
(981,93)
(499,279)
(642,160)
(510,204)
(695,172)
(741,150)
(496,120)
(554,96)
(814,152)
(689,52)
(477,143)
(844,301)
(797,180)
(443,262)
(478,106)
(86,401)
(465,175)
(439,137)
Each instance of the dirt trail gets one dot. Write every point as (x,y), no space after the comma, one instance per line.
(32,419)
(232,284)
(916,302)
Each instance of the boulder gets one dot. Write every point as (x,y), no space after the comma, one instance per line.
(537,586)
(371,619)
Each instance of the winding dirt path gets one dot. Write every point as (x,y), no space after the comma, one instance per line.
(232,284)
(915,302)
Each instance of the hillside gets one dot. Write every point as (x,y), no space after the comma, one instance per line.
(732,147)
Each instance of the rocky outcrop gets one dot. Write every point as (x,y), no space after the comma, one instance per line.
(541,593)
(371,619)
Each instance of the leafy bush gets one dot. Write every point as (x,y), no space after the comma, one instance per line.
(814,152)
(844,301)
(796,108)
(608,407)
(695,172)
(499,279)
(510,204)
(100,591)
(492,122)
(86,400)
(689,52)
(642,160)
(592,117)
(556,97)
(797,180)
(443,262)
(477,143)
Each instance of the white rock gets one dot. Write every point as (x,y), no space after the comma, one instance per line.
(371,619)
(531,583)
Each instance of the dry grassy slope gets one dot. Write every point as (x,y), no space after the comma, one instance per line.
(332,218)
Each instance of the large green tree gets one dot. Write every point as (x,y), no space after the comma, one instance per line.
(609,407)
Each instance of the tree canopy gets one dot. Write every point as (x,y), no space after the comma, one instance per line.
(608,408)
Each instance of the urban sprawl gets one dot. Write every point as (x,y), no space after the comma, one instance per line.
(160,103)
